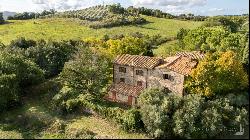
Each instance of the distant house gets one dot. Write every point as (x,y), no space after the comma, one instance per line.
(134,73)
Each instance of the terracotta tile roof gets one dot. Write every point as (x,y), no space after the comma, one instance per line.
(126,89)
(182,65)
(194,54)
(167,61)
(138,61)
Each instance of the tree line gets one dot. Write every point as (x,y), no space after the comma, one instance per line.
(160,14)
(1,18)
(31,15)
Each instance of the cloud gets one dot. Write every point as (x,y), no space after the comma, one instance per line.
(62,5)
(170,2)
(216,9)
(39,1)
(171,6)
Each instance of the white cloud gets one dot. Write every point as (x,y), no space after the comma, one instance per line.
(61,5)
(39,1)
(170,2)
(171,6)
(216,9)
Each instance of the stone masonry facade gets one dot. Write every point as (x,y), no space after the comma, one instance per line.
(133,73)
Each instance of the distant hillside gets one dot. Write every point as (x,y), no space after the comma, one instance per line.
(102,16)
(67,28)
(7,14)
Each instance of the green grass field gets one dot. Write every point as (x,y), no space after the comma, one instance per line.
(166,49)
(64,29)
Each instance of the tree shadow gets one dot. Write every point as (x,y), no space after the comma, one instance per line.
(26,125)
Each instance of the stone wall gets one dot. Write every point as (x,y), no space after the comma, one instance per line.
(130,76)
(151,78)
(156,80)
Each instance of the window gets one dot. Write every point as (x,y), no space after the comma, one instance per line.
(168,77)
(122,69)
(122,80)
(139,72)
(166,90)
(139,83)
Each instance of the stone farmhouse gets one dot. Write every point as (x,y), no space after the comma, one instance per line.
(134,73)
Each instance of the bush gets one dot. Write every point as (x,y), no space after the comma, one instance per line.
(51,56)
(193,116)
(157,109)
(9,91)
(88,73)
(16,73)
(22,43)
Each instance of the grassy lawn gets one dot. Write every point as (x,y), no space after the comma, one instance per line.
(167,49)
(36,120)
(64,29)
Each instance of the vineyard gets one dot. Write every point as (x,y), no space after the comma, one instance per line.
(100,17)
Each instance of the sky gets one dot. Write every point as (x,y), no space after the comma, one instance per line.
(197,7)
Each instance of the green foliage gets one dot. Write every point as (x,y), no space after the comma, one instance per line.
(127,45)
(22,43)
(51,56)
(117,45)
(193,116)
(211,39)
(31,15)
(26,71)
(129,120)
(231,23)
(199,119)
(157,109)
(10,135)
(160,14)
(240,99)
(245,57)
(1,18)
(8,90)
(78,133)
(218,73)
(102,16)
(88,73)
(116,8)
(187,118)
(16,73)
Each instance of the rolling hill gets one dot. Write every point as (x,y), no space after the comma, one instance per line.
(71,28)
(101,16)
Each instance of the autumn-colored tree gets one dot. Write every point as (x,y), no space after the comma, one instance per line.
(218,73)
(127,45)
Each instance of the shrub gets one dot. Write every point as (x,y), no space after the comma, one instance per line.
(88,73)
(51,56)
(9,91)
(157,109)
(16,73)
(22,43)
